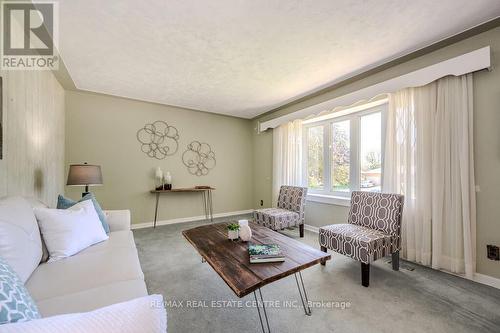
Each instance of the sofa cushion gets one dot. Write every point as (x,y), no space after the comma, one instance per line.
(142,315)
(117,239)
(91,299)
(65,203)
(20,242)
(16,304)
(96,266)
(69,231)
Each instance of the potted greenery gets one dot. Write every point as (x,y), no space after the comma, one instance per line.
(232,231)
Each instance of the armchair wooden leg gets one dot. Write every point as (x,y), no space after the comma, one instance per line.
(365,274)
(301,230)
(323,262)
(395,261)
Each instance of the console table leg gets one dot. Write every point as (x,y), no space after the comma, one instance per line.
(205,206)
(264,309)
(305,303)
(156,209)
(211,206)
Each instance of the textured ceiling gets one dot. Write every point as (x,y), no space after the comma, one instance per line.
(243,58)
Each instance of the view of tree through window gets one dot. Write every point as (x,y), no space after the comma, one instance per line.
(315,161)
(371,152)
(340,156)
(345,153)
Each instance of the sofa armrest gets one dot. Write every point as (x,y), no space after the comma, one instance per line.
(118,220)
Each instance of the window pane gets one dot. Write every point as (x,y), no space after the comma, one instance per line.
(340,156)
(371,152)
(315,161)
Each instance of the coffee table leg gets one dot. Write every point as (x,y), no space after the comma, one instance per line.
(305,304)
(264,309)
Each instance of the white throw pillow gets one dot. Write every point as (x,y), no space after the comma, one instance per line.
(69,231)
(141,315)
(20,242)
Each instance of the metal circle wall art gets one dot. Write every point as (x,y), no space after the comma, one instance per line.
(199,158)
(158,140)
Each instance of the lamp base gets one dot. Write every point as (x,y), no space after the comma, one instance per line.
(84,193)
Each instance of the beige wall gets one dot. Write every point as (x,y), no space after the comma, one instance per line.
(102,130)
(33,125)
(262,167)
(486,145)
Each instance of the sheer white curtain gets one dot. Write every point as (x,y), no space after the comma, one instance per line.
(429,158)
(287,156)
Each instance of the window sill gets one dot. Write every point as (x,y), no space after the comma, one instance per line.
(329,199)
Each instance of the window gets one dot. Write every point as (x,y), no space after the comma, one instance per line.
(345,153)
(341,151)
(315,162)
(371,152)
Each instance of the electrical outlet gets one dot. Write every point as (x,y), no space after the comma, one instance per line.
(262,203)
(493,252)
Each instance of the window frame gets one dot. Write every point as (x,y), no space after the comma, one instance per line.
(327,195)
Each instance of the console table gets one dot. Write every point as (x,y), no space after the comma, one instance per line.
(206,196)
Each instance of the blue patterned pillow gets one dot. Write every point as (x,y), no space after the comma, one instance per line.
(65,203)
(16,303)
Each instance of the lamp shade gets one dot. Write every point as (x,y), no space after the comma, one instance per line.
(84,174)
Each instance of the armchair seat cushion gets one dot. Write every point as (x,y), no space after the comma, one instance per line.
(277,218)
(355,241)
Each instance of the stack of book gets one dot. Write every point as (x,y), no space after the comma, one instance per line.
(260,253)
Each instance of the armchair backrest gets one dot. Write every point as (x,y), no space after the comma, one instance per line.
(379,211)
(293,198)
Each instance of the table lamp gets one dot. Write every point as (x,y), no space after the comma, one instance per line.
(84,175)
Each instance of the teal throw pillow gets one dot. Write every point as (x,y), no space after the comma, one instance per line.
(65,203)
(16,304)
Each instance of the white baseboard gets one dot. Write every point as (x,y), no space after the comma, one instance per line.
(487,280)
(311,228)
(188,219)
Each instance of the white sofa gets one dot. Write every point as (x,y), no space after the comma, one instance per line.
(101,275)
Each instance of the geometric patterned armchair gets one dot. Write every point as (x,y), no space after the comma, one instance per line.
(373,231)
(289,213)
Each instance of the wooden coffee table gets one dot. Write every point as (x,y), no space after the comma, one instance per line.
(231,261)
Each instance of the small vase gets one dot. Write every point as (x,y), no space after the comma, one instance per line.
(245,232)
(232,234)
(159,176)
(168,178)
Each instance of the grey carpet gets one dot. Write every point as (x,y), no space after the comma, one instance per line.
(422,300)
